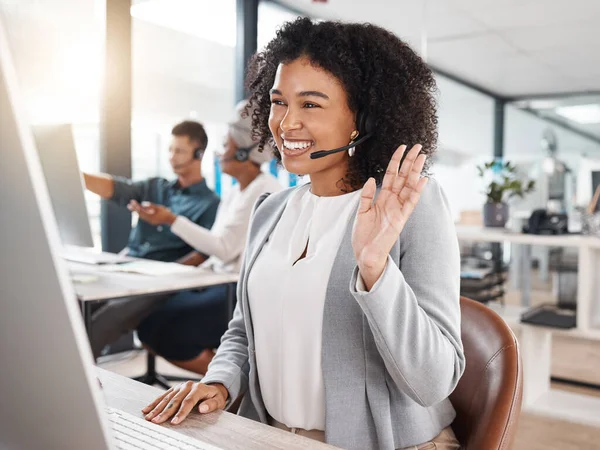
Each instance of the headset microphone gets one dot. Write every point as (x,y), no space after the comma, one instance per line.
(365,127)
(322,153)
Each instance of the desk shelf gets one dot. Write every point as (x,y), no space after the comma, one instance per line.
(512,316)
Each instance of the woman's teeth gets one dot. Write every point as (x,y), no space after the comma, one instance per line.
(297,145)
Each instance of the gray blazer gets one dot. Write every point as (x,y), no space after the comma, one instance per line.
(391,356)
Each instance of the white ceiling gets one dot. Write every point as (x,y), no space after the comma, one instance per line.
(509,47)
(546,108)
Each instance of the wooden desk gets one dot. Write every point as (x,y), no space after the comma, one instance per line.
(223,429)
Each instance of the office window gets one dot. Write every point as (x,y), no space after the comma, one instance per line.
(57,51)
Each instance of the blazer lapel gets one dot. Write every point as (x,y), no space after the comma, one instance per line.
(265,221)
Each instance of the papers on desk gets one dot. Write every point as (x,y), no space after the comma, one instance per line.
(91,256)
(83,278)
(152,268)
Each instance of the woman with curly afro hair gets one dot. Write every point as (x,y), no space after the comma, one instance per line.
(347,325)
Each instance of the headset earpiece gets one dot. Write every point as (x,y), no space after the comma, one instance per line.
(364,124)
(242,154)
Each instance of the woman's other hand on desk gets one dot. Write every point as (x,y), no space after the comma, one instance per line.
(152,213)
(180,400)
(380,221)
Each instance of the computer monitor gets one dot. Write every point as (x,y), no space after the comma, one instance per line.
(56,150)
(50,395)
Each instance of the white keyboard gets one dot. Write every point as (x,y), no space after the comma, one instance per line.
(134,433)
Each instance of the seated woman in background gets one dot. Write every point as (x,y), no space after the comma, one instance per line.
(347,326)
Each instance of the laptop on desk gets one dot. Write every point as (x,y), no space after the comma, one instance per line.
(50,396)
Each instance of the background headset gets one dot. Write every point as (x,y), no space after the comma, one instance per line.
(242,154)
(198,151)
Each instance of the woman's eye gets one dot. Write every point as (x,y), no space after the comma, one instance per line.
(310,105)
(277,102)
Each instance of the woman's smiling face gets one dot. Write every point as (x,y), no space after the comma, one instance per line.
(309,112)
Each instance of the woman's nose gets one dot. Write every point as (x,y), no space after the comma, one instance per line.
(290,121)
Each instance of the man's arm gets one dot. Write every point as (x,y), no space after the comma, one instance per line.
(101,184)
(192,259)
(120,190)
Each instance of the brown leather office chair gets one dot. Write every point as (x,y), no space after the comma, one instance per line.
(488,397)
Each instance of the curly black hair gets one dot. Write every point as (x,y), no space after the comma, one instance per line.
(382,76)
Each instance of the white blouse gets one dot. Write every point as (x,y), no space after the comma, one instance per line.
(287,296)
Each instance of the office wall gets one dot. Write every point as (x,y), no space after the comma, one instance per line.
(177,76)
(466,120)
(56,47)
(466,132)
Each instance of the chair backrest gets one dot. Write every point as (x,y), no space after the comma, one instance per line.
(488,397)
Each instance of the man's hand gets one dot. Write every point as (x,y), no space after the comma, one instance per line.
(192,259)
(180,400)
(152,213)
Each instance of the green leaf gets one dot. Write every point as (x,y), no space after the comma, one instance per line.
(506,183)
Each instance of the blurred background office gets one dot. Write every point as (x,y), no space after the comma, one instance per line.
(526,67)
(519,81)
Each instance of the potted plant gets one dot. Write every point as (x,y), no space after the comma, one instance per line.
(503,184)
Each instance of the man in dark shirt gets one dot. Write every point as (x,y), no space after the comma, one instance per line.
(187,196)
